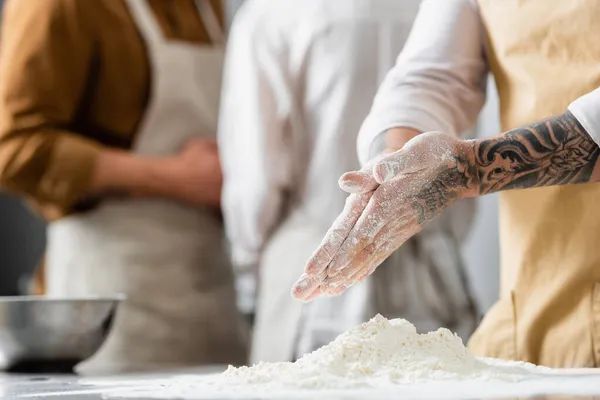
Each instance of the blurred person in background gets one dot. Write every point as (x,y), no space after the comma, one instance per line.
(108,117)
(299,79)
(545,62)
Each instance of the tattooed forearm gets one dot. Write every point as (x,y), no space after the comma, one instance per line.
(557,151)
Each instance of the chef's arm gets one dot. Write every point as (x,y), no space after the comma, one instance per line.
(395,138)
(430,174)
(438,82)
(256,162)
(558,151)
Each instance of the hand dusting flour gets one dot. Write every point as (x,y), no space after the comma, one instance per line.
(377,354)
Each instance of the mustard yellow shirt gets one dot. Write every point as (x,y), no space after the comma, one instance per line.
(74,77)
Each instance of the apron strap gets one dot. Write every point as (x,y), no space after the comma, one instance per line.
(211,22)
(145,21)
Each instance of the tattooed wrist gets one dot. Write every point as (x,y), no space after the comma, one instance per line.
(557,151)
(456,180)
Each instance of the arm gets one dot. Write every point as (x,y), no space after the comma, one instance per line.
(254,112)
(434,170)
(438,82)
(47,51)
(43,68)
(193,176)
(557,151)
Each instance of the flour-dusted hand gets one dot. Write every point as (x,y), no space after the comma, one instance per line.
(362,187)
(405,190)
(429,174)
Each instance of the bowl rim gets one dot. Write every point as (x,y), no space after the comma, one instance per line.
(56,299)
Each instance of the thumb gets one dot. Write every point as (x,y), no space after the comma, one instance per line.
(361,181)
(389,167)
(358,182)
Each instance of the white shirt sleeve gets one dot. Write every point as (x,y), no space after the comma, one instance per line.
(254,109)
(587,111)
(439,80)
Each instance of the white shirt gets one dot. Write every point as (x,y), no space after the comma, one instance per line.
(587,111)
(299,80)
(439,80)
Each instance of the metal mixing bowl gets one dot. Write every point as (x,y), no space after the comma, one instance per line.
(57,333)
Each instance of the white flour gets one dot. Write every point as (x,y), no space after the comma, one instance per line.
(377,354)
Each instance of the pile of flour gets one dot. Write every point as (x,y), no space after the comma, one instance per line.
(378,353)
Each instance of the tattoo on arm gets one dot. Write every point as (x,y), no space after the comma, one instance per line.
(438,194)
(557,151)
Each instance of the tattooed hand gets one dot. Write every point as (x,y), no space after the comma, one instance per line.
(392,200)
(396,196)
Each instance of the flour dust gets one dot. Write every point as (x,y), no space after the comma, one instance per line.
(378,354)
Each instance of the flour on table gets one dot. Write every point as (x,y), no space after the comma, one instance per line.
(377,354)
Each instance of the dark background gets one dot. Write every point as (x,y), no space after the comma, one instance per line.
(22,241)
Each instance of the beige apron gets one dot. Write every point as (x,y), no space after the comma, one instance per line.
(544,54)
(167,258)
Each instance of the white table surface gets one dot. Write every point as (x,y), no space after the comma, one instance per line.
(576,384)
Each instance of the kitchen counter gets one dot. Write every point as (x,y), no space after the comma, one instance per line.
(71,387)
(577,384)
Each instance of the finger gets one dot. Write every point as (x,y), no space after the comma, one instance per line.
(345,274)
(364,276)
(337,234)
(338,291)
(358,182)
(333,290)
(307,285)
(337,288)
(303,287)
(392,236)
(368,267)
(394,232)
(389,167)
(315,290)
(402,162)
(374,264)
(319,291)
(374,217)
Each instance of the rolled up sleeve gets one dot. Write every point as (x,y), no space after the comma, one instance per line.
(587,111)
(46,54)
(439,80)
